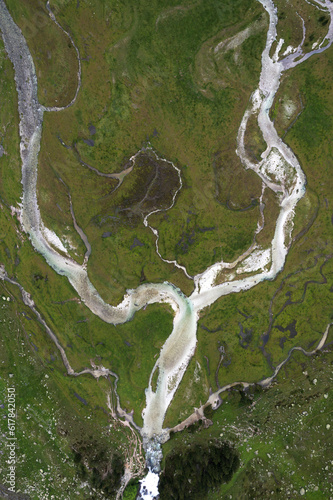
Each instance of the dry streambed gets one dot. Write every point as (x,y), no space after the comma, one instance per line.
(279,170)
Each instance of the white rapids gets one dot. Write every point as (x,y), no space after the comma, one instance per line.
(279,170)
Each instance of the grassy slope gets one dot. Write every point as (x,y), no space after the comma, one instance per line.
(50,420)
(300,296)
(280,434)
(146,84)
(306,280)
(139,76)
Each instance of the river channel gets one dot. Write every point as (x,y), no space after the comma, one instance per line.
(278,168)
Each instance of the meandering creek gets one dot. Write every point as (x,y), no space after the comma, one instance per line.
(279,170)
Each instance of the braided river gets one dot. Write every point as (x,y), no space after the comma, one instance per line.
(278,168)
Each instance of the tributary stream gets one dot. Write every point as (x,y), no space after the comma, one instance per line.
(279,170)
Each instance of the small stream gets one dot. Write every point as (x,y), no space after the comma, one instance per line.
(279,170)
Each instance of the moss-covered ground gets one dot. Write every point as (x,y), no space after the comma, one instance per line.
(166,75)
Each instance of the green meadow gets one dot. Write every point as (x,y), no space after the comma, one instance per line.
(166,75)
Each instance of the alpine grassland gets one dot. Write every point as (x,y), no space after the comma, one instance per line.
(174,78)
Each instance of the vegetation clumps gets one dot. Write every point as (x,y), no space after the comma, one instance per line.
(95,464)
(150,186)
(192,472)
